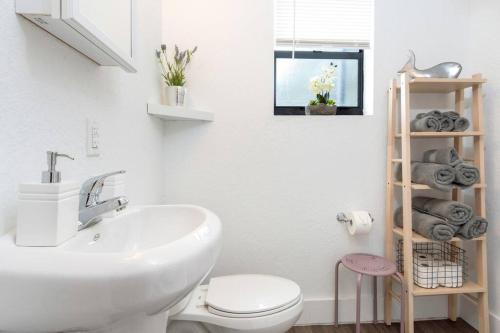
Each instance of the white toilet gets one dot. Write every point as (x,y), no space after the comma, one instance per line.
(239,303)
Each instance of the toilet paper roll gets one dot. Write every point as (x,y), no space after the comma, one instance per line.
(426,275)
(421,257)
(361,223)
(425,270)
(450,274)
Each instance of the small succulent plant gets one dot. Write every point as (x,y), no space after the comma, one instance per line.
(173,72)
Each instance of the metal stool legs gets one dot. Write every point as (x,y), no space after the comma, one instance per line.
(358,303)
(358,299)
(375,298)
(336,310)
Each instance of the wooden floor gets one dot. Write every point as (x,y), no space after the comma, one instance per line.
(433,326)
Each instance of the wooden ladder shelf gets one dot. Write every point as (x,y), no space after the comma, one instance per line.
(399,100)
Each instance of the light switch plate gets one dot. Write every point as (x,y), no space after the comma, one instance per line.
(93,140)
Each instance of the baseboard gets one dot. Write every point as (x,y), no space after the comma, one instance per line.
(320,311)
(494,322)
(468,311)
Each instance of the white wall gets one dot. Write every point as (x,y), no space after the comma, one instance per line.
(47,90)
(484,57)
(278,182)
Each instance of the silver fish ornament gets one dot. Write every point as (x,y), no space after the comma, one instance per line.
(445,70)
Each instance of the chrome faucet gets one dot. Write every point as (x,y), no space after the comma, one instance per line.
(91,208)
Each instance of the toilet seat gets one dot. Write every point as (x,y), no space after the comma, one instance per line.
(250,295)
(256,314)
(243,317)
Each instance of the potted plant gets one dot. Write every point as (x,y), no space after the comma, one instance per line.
(173,74)
(322,86)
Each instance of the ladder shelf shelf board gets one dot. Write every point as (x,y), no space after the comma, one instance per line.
(400,160)
(417,238)
(468,287)
(440,86)
(400,138)
(442,134)
(427,187)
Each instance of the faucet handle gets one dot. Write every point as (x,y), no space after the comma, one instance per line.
(107,175)
(92,187)
(98,181)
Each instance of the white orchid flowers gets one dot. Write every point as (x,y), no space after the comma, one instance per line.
(322,85)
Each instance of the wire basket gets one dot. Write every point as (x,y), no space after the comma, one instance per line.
(436,264)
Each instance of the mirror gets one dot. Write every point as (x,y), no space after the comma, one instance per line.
(113,18)
(108,24)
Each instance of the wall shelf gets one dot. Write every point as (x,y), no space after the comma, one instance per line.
(172,113)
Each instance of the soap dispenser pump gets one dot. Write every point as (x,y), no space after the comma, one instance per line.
(52,176)
(47,212)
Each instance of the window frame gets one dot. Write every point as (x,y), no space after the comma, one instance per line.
(341,110)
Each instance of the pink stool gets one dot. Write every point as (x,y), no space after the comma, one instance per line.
(367,264)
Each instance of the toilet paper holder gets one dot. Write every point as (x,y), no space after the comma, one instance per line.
(342,218)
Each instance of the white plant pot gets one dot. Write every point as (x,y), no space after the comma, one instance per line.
(174,95)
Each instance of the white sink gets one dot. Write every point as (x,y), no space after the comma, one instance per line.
(139,263)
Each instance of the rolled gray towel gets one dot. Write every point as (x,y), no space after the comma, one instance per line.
(442,156)
(426,225)
(425,124)
(454,212)
(466,175)
(447,124)
(449,121)
(461,124)
(433,113)
(438,176)
(451,114)
(475,227)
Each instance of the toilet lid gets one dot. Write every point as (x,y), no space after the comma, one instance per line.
(251,294)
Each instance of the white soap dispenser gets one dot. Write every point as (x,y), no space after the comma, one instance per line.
(47,212)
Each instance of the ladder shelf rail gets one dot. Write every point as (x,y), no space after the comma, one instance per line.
(399,112)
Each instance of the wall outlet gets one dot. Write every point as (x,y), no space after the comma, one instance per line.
(93,143)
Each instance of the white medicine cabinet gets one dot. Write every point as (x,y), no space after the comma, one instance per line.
(101,30)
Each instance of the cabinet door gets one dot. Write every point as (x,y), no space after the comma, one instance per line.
(109,24)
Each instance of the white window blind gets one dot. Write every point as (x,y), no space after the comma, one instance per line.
(334,23)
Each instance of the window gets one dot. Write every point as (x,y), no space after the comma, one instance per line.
(292,80)
(314,35)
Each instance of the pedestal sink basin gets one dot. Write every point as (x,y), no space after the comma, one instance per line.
(136,265)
